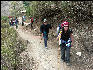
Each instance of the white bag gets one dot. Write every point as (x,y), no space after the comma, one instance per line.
(59,42)
(57,29)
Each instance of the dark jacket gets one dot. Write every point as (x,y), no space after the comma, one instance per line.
(45,28)
(66,36)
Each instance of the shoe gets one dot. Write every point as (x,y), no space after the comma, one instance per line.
(62,60)
(46,47)
(68,64)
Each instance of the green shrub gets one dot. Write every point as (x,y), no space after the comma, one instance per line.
(11,47)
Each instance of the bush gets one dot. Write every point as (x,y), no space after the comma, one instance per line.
(11,47)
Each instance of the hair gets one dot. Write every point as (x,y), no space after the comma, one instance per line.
(64,30)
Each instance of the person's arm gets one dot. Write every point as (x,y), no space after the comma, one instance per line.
(72,39)
(59,36)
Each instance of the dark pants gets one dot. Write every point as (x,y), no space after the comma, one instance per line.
(31,25)
(22,23)
(65,53)
(45,40)
(10,23)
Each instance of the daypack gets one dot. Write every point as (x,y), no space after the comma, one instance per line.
(58,29)
(59,35)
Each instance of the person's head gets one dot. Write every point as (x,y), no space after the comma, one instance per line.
(45,21)
(66,26)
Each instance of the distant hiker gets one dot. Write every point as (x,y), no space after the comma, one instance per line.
(12,23)
(16,22)
(23,20)
(66,43)
(31,21)
(44,29)
(59,30)
(10,20)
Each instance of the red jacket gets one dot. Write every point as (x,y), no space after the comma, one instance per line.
(31,20)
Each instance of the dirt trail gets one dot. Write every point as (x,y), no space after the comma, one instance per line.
(47,59)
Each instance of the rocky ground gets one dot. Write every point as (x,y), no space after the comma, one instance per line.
(83,42)
(37,57)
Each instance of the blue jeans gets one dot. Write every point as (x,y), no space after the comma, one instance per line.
(65,53)
(45,40)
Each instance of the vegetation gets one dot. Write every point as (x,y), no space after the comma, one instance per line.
(60,9)
(11,46)
(78,13)
(73,11)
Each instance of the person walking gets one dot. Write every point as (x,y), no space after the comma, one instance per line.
(44,29)
(31,21)
(23,19)
(66,43)
(10,20)
(59,30)
(16,22)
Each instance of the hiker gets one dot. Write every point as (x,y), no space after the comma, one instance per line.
(16,22)
(23,20)
(66,43)
(44,29)
(10,20)
(12,23)
(59,30)
(31,21)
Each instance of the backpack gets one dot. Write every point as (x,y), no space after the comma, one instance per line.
(58,29)
(59,35)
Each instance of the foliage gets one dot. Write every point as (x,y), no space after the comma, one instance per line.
(16,7)
(11,46)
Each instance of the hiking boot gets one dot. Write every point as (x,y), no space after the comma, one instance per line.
(68,64)
(46,47)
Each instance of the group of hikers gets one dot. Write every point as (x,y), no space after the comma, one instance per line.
(64,35)
(15,21)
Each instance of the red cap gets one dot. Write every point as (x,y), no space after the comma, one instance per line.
(66,23)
